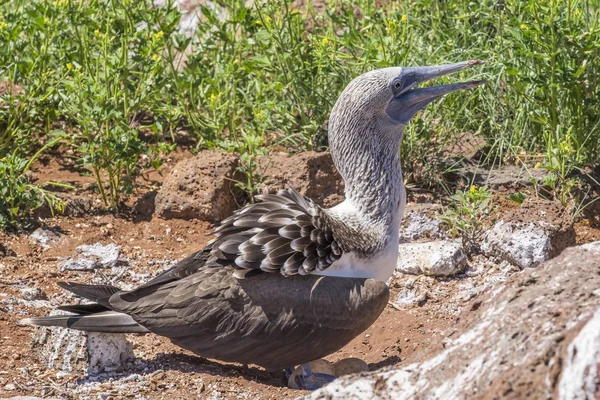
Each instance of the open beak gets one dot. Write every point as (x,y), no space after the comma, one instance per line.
(410,99)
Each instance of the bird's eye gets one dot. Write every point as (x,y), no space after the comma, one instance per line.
(397,85)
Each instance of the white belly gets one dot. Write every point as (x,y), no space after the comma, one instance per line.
(380,266)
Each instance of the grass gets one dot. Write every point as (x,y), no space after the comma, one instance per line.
(112,76)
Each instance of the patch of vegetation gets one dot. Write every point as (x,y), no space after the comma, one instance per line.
(18,196)
(125,81)
(466,214)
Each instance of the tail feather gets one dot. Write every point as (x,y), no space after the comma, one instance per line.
(97,293)
(105,321)
(83,309)
(97,317)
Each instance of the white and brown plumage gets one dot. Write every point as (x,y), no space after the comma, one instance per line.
(286,281)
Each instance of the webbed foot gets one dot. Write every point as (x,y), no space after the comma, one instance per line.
(311,376)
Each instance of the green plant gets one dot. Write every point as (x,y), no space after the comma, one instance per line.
(517,197)
(107,97)
(18,196)
(127,85)
(466,213)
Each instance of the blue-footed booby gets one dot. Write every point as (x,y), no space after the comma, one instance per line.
(285,281)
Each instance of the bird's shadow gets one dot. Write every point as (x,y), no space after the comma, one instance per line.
(391,361)
(187,364)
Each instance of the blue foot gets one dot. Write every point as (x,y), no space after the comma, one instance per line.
(288,372)
(308,380)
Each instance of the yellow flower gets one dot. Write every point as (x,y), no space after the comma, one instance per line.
(258,22)
(69,66)
(3,25)
(259,114)
(213,97)
(268,19)
(155,56)
(158,34)
(325,41)
(380,47)
(404,18)
(46,19)
(523,27)
(97,32)
(472,189)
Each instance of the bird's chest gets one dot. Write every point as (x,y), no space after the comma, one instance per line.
(379,265)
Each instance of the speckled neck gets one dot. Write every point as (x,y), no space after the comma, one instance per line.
(367,155)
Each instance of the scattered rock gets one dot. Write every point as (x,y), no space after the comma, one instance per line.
(92,257)
(536,232)
(45,237)
(31,294)
(439,258)
(310,173)
(417,225)
(410,297)
(202,187)
(539,337)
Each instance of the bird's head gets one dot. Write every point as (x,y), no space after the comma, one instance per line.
(390,97)
(367,122)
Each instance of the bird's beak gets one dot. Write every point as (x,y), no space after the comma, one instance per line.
(410,99)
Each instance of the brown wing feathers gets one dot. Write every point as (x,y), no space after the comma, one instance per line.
(285,232)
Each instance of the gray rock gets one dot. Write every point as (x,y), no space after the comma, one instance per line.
(45,237)
(418,225)
(439,258)
(93,256)
(202,187)
(538,338)
(522,245)
(537,231)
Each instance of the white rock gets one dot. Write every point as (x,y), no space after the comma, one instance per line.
(580,373)
(45,238)
(418,225)
(525,246)
(409,297)
(439,258)
(93,256)
(30,294)
(107,351)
